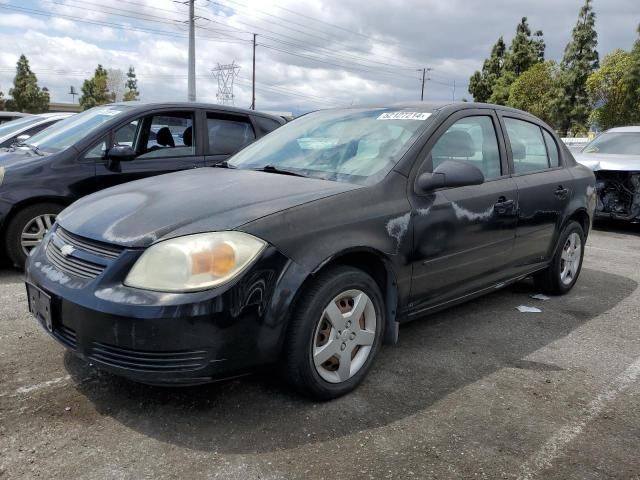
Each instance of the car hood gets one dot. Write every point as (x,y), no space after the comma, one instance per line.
(601,161)
(9,158)
(139,213)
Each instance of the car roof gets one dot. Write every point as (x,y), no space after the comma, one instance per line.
(629,129)
(141,105)
(56,114)
(432,107)
(14,114)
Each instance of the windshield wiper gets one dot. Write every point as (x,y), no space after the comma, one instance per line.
(281,171)
(223,164)
(33,148)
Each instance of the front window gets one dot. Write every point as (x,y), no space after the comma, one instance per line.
(615,143)
(68,131)
(357,146)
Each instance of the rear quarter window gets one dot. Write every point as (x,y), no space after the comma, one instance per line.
(266,125)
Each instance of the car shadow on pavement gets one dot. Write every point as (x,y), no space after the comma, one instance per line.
(436,356)
(617,226)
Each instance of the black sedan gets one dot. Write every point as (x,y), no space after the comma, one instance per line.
(306,250)
(109,145)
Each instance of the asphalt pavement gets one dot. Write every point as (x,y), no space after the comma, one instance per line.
(477,391)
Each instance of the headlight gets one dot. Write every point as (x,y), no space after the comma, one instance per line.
(194,262)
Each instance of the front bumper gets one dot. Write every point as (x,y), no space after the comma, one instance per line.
(165,338)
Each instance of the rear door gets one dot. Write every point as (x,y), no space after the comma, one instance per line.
(226,134)
(544,186)
(463,236)
(164,142)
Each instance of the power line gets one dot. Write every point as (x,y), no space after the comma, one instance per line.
(31,11)
(305,32)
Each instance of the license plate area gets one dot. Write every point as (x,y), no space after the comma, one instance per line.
(40,306)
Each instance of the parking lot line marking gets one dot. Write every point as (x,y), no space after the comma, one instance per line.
(553,448)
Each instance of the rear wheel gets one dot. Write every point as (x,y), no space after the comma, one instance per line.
(335,332)
(563,271)
(27,229)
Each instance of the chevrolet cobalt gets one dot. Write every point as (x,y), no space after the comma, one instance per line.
(308,248)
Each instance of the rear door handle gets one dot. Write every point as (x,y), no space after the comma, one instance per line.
(561,192)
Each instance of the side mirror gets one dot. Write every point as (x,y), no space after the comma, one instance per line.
(450,173)
(20,139)
(121,153)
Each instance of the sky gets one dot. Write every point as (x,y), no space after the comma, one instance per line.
(310,54)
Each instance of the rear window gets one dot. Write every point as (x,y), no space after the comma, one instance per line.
(266,125)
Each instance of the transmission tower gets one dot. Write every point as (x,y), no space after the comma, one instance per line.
(225,74)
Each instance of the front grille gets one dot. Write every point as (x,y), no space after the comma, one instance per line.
(66,335)
(148,361)
(97,248)
(72,265)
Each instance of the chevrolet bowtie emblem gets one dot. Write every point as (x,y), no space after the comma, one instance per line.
(67,250)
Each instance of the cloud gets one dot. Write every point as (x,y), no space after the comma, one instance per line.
(371,56)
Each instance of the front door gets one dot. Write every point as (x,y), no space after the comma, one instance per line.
(464,236)
(164,142)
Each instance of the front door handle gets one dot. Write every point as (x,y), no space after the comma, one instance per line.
(503,205)
(561,192)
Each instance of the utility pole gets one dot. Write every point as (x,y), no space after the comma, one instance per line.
(225,74)
(454,91)
(425,71)
(192,53)
(253,76)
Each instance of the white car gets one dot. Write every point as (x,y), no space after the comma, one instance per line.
(19,130)
(614,156)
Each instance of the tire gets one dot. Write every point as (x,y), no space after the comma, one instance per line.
(556,279)
(313,334)
(26,219)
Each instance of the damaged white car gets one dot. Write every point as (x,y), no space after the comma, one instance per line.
(614,156)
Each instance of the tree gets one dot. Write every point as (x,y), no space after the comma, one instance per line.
(2,100)
(504,65)
(131,85)
(535,91)
(26,95)
(525,49)
(579,61)
(115,84)
(481,83)
(632,81)
(608,91)
(94,90)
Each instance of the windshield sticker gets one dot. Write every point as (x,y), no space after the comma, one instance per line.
(404,116)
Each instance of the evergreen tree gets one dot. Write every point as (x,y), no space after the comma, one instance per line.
(132,86)
(481,83)
(2,100)
(504,65)
(94,90)
(632,81)
(579,61)
(525,49)
(26,95)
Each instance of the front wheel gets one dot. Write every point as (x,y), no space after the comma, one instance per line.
(27,229)
(335,332)
(563,271)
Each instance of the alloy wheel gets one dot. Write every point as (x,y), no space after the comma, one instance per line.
(344,336)
(570,258)
(34,231)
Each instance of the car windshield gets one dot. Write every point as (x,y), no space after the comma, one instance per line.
(615,143)
(68,131)
(13,126)
(355,145)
